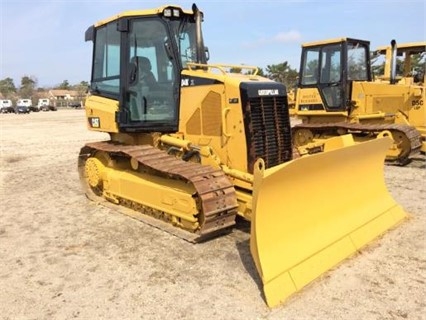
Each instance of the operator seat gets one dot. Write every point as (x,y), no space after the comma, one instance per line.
(142,82)
(144,75)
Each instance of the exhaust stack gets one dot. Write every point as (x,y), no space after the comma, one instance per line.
(393,62)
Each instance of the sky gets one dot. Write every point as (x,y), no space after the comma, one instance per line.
(45,39)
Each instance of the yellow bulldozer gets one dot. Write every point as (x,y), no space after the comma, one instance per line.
(192,146)
(406,51)
(336,95)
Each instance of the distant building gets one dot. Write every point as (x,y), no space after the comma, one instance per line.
(63,98)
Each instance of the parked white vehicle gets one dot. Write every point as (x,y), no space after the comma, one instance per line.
(6,106)
(23,106)
(43,103)
(24,103)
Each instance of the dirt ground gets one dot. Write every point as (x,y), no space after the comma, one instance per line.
(64,257)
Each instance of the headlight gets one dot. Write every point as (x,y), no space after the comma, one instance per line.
(167,12)
(171,12)
(176,13)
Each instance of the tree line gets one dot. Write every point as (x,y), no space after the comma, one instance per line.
(281,72)
(28,88)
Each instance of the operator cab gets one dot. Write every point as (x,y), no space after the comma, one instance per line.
(137,60)
(330,67)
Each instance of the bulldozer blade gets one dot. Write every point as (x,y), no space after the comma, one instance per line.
(313,212)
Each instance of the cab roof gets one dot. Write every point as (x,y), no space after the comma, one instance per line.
(330,41)
(142,13)
(409,48)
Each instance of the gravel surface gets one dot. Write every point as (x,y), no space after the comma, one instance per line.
(64,257)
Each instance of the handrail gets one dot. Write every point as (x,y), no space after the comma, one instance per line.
(222,67)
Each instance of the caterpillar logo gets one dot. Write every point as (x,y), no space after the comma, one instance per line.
(95,122)
(268,92)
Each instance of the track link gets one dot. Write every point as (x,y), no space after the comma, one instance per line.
(215,195)
(411,133)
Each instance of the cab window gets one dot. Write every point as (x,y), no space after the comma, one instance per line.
(106,66)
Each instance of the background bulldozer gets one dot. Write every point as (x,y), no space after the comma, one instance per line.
(336,95)
(408,74)
(193,146)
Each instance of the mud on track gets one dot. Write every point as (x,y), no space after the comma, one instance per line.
(63,257)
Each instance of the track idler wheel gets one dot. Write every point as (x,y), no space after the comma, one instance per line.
(302,137)
(94,170)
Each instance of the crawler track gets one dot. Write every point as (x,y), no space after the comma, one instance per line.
(408,142)
(215,195)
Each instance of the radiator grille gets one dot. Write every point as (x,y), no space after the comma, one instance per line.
(268,130)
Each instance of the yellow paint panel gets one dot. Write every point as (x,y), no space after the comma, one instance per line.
(162,194)
(100,114)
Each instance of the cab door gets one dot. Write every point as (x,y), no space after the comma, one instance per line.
(322,69)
